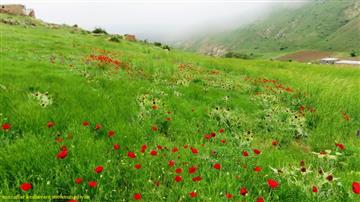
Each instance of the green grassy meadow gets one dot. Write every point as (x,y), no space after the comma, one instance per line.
(75,101)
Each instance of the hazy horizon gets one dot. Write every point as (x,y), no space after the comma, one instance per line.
(155,20)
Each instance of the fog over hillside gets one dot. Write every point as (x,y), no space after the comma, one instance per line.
(156,20)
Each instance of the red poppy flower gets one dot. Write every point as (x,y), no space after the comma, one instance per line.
(197,179)
(192,169)
(78,180)
(6,126)
(207,136)
(154,128)
(178,178)
(260,199)
(143,148)
(221,130)
(25,186)
(289,90)
(159,147)
(217,166)
(245,153)
(85,123)
(111,133)
(194,150)
(72,200)
(213,134)
(186,146)
(274,143)
(153,152)
(178,170)
(243,191)
(99,169)
(62,154)
(137,166)
(257,169)
(314,189)
(256,151)
(356,187)
(340,146)
(171,163)
(98,126)
(193,194)
(229,196)
(137,196)
(92,184)
(50,124)
(116,146)
(302,108)
(272,183)
(345,116)
(175,149)
(131,155)
(155,107)
(223,141)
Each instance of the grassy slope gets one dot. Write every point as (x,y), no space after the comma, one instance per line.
(345,33)
(28,150)
(322,25)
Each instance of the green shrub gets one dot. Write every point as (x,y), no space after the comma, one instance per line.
(237,55)
(114,39)
(99,30)
(353,53)
(157,44)
(166,47)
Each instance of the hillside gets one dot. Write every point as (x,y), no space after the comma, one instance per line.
(319,25)
(83,116)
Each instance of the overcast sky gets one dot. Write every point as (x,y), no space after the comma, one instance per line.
(162,20)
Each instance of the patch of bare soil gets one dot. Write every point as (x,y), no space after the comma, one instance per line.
(306,56)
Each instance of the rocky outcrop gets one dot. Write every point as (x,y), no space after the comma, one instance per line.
(213,50)
(352,11)
(17,9)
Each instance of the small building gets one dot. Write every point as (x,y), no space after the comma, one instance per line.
(328,60)
(16,9)
(347,62)
(130,37)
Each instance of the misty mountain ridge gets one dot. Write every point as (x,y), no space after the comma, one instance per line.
(319,25)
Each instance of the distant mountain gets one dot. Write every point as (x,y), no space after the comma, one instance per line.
(320,25)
